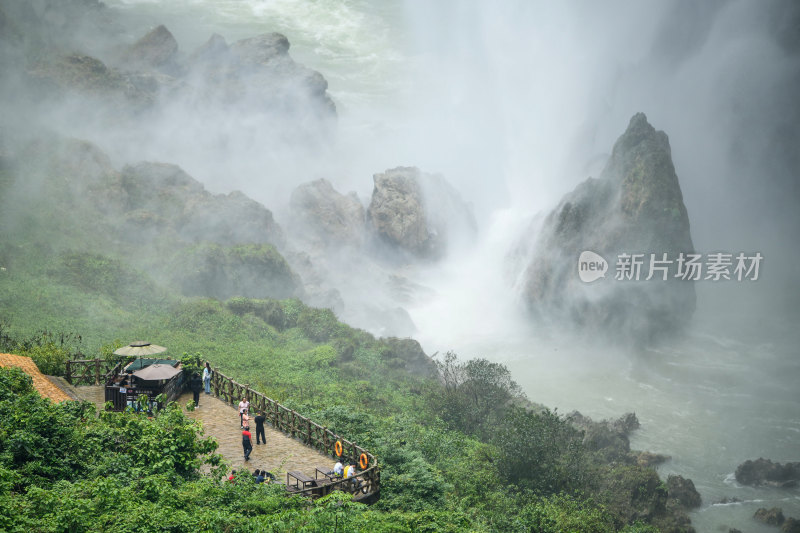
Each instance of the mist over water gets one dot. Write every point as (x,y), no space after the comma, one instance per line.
(515,103)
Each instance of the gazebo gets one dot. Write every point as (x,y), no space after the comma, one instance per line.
(144,376)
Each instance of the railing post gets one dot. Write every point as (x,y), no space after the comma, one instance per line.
(97,371)
(69,372)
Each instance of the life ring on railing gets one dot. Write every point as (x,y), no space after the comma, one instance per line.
(363,461)
(338,448)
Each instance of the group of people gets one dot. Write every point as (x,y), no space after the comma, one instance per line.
(259,476)
(342,471)
(244,423)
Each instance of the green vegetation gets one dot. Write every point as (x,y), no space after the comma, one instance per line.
(460,447)
(515,469)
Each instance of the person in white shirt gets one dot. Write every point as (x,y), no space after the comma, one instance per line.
(207,377)
(244,407)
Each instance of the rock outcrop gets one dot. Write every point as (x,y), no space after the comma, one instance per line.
(417,213)
(765,472)
(608,439)
(157,50)
(163,194)
(635,207)
(771,517)
(258,71)
(256,74)
(86,76)
(790,525)
(325,217)
(682,490)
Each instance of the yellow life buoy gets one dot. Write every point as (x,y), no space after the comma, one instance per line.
(338,448)
(363,461)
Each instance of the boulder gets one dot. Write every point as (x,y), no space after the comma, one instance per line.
(635,206)
(262,49)
(790,525)
(325,217)
(157,50)
(771,517)
(765,472)
(417,213)
(728,500)
(683,491)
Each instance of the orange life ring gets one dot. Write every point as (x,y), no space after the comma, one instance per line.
(363,461)
(338,448)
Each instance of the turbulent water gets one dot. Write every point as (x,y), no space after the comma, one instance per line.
(517,102)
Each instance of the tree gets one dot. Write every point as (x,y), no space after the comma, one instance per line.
(476,396)
(540,451)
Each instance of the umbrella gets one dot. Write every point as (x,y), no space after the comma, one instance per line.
(157,372)
(139,349)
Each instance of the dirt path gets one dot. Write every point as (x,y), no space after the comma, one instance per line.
(221,421)
(46,388)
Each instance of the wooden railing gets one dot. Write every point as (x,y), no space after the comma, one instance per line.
(90,371)
(310,433)
(365,485)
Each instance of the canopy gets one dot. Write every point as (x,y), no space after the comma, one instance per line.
(139,364)
(139,349)
(157,372)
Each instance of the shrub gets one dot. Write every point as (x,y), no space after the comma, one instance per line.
(319,325)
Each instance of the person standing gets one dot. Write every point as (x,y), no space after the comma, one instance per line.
(196,385)
(261,438)
(247,444)
(207,377)
(244,406)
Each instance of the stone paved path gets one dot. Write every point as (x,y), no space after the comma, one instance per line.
(221,421)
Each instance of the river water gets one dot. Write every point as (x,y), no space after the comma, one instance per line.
(500,100)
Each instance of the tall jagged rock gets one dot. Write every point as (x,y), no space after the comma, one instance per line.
(635,207)
(417,213)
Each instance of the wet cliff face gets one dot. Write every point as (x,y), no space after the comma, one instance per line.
(634,207)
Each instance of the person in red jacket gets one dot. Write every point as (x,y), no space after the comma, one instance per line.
(247,444)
